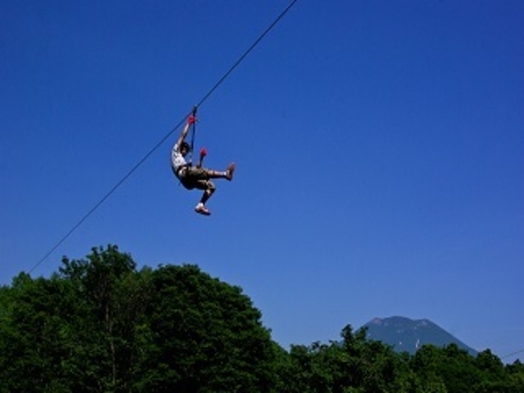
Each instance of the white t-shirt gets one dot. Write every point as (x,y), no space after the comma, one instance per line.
(177,160)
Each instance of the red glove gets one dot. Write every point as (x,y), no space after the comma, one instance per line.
(203,152)
(191,119)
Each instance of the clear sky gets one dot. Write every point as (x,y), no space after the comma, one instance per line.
(379,148)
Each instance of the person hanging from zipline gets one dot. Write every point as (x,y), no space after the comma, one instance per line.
(197,176)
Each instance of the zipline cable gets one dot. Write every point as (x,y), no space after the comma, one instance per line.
(282,14)
(161,142)
(512,354)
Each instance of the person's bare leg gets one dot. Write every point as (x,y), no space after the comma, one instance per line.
(206,195)
(227,174)
(201,207)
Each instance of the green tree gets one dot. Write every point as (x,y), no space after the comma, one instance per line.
(450,366)
(114,298)
(353,365)
(100,325)
(515,376)
(35,338)
(311,369)
(77,331)
(207,336)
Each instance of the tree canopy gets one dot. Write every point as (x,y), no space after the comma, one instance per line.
(101,325)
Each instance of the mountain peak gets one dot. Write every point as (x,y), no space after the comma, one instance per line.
(408,335)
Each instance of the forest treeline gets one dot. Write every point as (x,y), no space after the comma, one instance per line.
(101,325)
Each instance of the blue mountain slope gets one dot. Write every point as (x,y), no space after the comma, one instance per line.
(407,335)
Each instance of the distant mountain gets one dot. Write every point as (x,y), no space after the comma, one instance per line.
(407,335)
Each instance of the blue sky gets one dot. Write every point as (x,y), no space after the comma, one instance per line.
(379,147)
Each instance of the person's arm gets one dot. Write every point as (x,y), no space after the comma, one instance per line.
(190,120)
(203,153)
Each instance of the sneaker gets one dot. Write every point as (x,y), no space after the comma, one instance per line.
(201,209)
(230,171)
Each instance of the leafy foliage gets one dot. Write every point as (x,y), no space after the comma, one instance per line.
(101,325)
